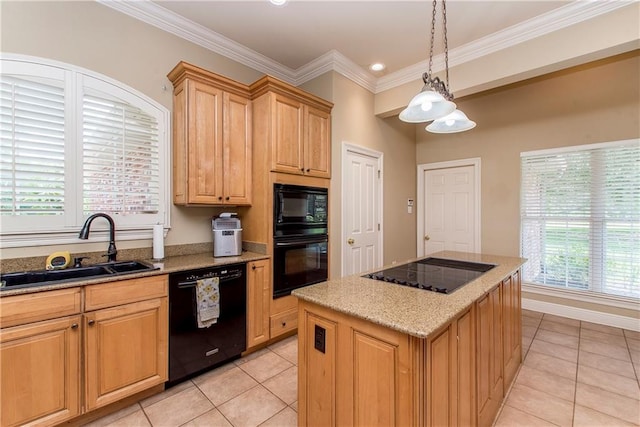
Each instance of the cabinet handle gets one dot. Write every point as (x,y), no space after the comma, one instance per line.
(253,267)
(227,198)
(284,324)
(302,169)
(74,326)
(220,198)
(91,322)
(308,170)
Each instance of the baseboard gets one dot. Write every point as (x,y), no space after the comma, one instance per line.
(592,316)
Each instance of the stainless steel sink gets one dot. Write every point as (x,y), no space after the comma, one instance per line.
(46,277)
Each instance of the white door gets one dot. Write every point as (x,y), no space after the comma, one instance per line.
(450,208)
(361,209)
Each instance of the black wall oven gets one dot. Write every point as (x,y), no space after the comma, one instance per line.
(300,244)
(299,210)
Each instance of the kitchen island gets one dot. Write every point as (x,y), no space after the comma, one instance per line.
(377,353)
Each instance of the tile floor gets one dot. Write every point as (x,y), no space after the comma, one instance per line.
(574,374)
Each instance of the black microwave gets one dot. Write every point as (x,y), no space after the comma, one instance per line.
(299,210)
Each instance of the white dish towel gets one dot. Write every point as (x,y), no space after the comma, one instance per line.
(208,301)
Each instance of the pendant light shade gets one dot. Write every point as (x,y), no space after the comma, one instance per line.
(425,106)
(454,122)
(435,101)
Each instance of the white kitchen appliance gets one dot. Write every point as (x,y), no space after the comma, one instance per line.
(227,235)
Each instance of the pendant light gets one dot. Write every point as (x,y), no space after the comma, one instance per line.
(454,122)
(435,102)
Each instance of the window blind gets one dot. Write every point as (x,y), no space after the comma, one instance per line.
(120,158)
(580,218)
(32,149)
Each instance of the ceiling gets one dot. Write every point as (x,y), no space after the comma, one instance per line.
(393,32)
(305,38)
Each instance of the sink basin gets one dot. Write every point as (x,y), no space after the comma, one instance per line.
(46,277)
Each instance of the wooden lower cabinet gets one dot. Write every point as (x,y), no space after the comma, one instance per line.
(354,372)
(40,372)
(125,351)
(512,324)
(489,365)
(450,374)
(119,345)
(258,299)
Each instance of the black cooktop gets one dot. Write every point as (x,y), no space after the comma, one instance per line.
(433,274)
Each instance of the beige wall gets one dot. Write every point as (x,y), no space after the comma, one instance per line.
(353,121)
(95,37)
(594,103)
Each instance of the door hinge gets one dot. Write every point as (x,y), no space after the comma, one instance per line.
(378,173)
(378,227)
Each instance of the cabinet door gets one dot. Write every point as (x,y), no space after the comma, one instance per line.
(450,376)
(317,143)
(204,159)
(237,149)
(125,350)
(440,378)
(258,277)
(286,135)
(489,353)
(511,327)
(465,411)
(317,354)
(40,365)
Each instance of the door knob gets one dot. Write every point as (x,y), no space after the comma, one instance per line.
(350,241)
(427,237)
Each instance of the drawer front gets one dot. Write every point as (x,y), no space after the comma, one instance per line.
(20,309)
(125,291)
(284,322)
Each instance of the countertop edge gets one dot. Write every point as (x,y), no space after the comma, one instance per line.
(423,312)
(166,266)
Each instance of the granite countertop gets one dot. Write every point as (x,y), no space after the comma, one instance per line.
(168,265)
(413,311)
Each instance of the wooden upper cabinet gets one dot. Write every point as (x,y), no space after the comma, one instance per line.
(287,135)
(211,138)
(294,125)
(317,142)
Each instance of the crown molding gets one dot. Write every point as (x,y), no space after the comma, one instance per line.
(563,17)
(335,61)
(164,19)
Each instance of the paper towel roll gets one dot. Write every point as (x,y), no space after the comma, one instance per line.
(158,241)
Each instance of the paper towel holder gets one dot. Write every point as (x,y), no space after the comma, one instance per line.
(158,242)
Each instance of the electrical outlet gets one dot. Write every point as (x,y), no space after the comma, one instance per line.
(319,338)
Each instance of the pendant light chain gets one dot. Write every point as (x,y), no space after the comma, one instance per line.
(433,32)
(446,44)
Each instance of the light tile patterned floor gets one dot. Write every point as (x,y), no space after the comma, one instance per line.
(574,374)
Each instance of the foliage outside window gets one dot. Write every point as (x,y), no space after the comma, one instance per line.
(580,218)
(73,143)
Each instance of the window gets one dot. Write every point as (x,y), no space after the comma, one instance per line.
(73,143)
(580,218)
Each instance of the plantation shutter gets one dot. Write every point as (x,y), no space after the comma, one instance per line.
(120,157)
(580,218)
(32,146)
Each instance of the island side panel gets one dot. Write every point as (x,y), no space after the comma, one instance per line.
(369,375)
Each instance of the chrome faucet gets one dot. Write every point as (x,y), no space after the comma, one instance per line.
(84,234)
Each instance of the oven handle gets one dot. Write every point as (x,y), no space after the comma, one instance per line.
(301,242)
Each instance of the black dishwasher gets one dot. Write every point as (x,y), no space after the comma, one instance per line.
(193,350)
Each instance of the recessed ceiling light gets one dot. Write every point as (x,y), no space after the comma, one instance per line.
(278,2)
(378,66)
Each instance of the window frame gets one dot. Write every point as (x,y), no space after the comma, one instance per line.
(66,231)
(590,295)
